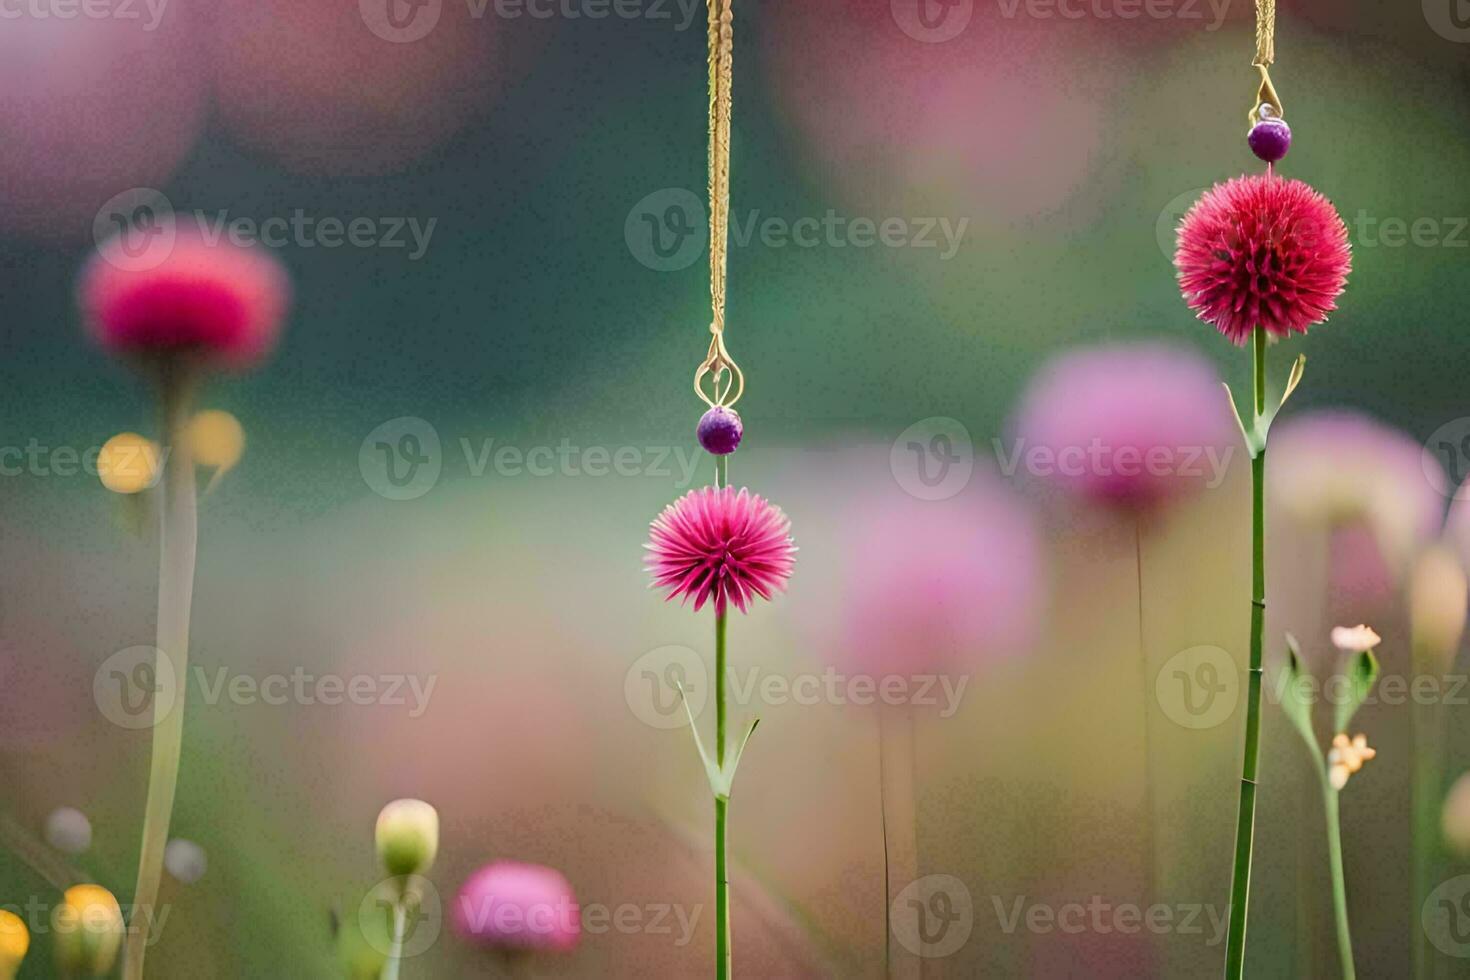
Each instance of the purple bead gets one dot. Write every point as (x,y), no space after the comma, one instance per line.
(720,430)
(1269,139)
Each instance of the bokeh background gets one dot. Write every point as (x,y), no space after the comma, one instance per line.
(535,148)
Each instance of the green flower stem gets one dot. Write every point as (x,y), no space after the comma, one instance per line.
(1246,819)
(395,942)
(722,808)
(1425,790)
(722,804)
(1339,883)
(179,526)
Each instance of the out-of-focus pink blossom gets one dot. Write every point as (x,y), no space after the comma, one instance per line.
(514,906)
(1133,426)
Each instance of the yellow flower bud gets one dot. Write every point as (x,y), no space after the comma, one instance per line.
(15,941)
(216,439)
(1455,817)
(88,929)
(1437,599)
(407,837)
(129,463)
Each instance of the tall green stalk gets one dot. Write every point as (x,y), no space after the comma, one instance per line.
(722,804)
(1246,819)
(1425,791)
(179,529)
(1339,882)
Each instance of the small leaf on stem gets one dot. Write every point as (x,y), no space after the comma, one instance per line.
(1361,677)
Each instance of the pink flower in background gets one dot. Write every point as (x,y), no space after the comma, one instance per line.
(929,585)
(722,545)
(1262,250)
(1363,485)
(220,302)
(1132,426)
(515,906)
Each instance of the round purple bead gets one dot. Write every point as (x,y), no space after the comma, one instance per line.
(720,430)
(1269,139)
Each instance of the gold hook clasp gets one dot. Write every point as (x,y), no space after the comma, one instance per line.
(720,369)
(1265,95)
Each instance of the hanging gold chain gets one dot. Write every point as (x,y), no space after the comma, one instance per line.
(718,367)
(1265,57)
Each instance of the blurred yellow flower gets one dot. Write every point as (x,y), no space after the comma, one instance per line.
(1437,596)
(88,927)
(1346,757)
(128,463)
(216,439)
(15,941)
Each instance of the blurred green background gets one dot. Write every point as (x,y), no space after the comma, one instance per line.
(1065,147)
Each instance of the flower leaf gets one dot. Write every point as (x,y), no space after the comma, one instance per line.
(1361,676)
(728,777)
(1240,422)
(1298,369)
(711,771)
(1295,700)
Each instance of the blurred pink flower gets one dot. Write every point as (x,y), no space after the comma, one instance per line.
(1261,250)
(354,87)
(931,585)
(93,106)
(220,302)
(1132,426)
(1364,484)
(723,545)
(515,906)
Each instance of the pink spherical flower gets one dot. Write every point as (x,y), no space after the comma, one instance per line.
(1129,426)
(220,302)
(1262,251)
(514,906)
(722,545)
(933,586)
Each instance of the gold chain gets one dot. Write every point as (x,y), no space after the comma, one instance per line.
(1265,57)
(718,366)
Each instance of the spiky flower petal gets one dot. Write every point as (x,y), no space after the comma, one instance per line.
(1262,251)
(723,545)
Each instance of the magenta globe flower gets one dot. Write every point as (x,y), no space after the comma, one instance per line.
(513,906)
(219,303)
(717,544)
(1129,426)
(1261,250)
